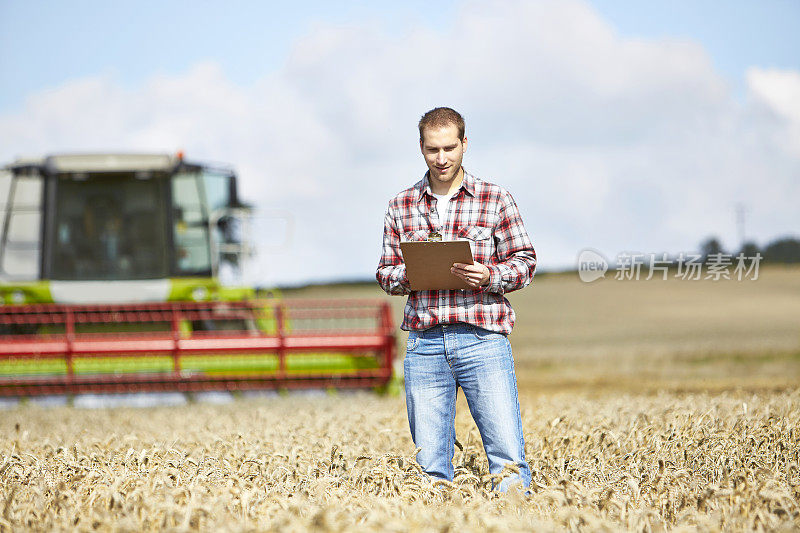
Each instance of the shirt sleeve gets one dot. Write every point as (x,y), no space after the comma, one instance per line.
(516,257)
(391,273)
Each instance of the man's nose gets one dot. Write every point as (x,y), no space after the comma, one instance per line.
(440,158)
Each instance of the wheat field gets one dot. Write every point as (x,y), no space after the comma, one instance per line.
(663,462)
(677,408)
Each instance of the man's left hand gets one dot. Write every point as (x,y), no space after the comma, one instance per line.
(475,275)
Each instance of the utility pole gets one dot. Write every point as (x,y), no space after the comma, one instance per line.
(740,215)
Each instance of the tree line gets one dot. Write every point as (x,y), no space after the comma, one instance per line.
(780,250)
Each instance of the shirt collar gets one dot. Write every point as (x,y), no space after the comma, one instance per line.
(468,184)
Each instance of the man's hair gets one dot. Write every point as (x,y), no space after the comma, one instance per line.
(441,117)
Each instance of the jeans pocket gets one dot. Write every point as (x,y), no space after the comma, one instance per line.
(412,342)
(485,334)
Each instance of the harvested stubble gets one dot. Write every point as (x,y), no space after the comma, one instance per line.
(686,462)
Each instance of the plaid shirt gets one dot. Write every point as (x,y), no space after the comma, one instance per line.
(482,212)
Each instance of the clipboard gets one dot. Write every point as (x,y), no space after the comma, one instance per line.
(428,263)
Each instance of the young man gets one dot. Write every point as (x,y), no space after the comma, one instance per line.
(457,338)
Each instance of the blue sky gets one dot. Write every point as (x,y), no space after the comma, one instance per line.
(737,34)
(620,126)
(43,44)
(133,40)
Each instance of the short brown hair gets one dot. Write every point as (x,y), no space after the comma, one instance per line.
(441,117)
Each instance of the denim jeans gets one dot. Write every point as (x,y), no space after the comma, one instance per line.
(443,358)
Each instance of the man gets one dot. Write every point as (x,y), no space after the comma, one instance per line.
(457,338)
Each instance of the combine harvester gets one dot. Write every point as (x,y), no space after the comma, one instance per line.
(110,272)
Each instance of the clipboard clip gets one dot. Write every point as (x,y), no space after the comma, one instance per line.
(434,236)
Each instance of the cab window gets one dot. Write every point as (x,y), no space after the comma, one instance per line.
(108,227)
(20,228)
(190,225)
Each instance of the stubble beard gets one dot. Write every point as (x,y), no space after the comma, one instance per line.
(440,178)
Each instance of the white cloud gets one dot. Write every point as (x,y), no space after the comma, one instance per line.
(779,92)
(779,89)
(612,143)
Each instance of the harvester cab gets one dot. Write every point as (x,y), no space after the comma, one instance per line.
(118,272)
(117,228)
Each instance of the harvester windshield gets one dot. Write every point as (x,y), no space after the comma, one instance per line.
(115,217)
(109,227)
(129,226)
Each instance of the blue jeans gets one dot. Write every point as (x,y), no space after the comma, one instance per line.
(443,358)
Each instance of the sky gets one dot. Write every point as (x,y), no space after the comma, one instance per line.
(618,126)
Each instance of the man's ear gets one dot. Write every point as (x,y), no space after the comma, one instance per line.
(464,142)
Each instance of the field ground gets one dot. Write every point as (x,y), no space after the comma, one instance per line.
(660,405)
(646,335)
(610,461)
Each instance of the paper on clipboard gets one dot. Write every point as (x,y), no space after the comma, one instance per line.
(428,263)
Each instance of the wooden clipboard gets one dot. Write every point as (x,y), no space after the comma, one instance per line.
(428,263)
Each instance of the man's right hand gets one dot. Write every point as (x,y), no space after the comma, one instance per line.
(475,275)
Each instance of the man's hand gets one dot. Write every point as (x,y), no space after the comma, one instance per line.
(476,275)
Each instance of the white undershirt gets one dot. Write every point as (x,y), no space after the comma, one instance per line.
(442,201)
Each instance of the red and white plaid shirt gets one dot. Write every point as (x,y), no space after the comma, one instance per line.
(480,211)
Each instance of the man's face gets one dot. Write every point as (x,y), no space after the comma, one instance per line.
(443,151)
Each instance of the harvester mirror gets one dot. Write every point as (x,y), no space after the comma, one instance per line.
(241,239)
(230,229)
